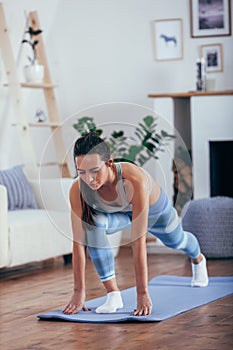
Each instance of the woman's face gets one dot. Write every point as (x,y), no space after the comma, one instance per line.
(92,170)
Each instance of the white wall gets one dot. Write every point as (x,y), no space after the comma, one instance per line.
(102,51)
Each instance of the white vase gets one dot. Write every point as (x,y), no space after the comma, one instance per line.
(34,73)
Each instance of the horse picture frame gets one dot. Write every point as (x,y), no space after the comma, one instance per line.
(168,39)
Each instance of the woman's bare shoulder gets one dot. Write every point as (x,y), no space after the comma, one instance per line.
(75,186)
(131,171)
(75,193)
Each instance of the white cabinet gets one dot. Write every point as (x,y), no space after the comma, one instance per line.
(197,118)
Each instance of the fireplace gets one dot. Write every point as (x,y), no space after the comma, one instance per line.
(221,168)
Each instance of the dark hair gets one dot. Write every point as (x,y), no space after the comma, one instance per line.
(91,143)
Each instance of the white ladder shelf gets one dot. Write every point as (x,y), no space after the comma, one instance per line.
(15,90)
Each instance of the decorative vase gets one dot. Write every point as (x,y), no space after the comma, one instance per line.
(34,73)
(201,74)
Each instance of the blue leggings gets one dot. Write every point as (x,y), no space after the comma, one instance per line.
(163,222)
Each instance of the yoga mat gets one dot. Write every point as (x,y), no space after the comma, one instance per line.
(171,295)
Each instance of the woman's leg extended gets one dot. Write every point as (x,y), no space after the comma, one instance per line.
(169,230)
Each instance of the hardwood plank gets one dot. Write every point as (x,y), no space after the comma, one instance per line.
(43,287)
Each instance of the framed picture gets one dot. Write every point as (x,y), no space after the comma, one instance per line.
(168,39)
(213,56)
(210,18)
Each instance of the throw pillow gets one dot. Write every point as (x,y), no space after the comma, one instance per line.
(20,195)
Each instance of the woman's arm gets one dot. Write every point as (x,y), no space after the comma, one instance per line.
(78,259)
(140,200)
(144,304)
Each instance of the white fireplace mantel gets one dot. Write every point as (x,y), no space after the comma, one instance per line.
(199,117)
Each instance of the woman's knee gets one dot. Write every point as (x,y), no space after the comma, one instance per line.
(101,220)
(112,222)
(117,222)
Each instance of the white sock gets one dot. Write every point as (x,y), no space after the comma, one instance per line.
(200,274)
(113,302)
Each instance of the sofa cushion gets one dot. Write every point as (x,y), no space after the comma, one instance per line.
(36,235)
(19,193)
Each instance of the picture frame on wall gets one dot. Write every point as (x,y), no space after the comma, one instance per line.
(213,55)
(168,39)
(210,18)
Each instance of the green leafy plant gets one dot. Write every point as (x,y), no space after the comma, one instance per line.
(31,33)
(139,149)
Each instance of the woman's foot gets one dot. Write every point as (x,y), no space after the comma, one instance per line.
(113,302)
(200,274)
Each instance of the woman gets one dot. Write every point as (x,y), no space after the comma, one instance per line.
(108,197)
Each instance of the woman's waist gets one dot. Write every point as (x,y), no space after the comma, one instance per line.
(159,204)
(155,193)
(109,209)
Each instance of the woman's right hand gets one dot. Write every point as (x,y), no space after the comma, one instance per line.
(76,303)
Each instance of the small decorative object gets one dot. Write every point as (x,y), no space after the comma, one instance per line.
(210,18)
(34,72)
(168,43)
(145,144)
(201,74)
(213,56)
(40,116)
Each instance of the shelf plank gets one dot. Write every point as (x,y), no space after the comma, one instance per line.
(44,124)
(39,125)
(35,85)
(39,85)
(190,94)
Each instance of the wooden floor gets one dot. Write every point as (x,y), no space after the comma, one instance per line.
(47,286)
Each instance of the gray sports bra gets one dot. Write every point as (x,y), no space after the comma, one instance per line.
(121,203)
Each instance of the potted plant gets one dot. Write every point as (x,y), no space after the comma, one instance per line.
(33,72)
(139,149)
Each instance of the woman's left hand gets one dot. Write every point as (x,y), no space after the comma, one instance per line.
(144,304)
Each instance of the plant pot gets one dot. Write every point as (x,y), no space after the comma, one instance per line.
(34,73)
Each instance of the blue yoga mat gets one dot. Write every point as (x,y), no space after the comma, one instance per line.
(171,295)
